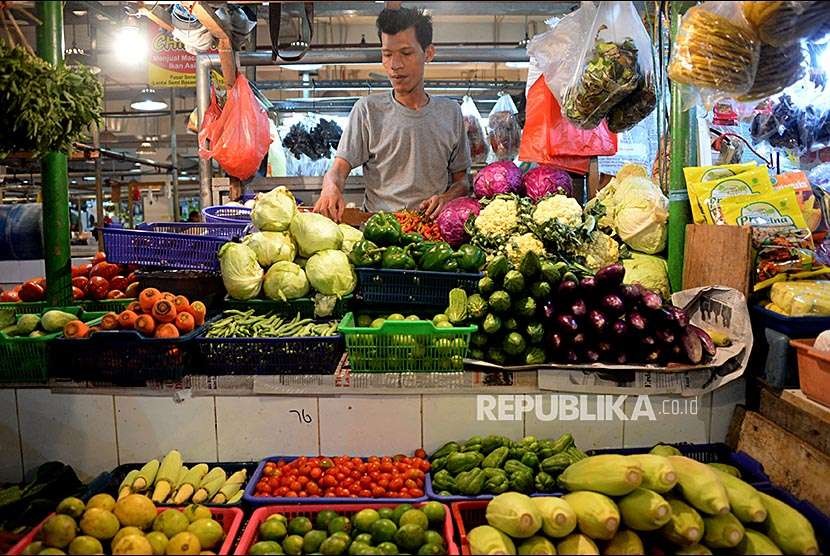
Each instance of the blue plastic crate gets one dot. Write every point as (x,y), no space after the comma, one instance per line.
(819,521)
(430,492)
(411,287)
(794,327)
(227,214)
(175,245)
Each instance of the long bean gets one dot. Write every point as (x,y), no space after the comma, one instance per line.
(245,324)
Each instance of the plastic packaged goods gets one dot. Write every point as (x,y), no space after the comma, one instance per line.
(779,208)
(801,298)
(474,129)
(783,23)
(715,49)
(778,68)
(706,196)
(695,174)
(505,133)
(798,182)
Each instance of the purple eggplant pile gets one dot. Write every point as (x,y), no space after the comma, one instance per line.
(600,319)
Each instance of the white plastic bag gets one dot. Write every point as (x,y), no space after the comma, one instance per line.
(276,155)
(505,133)
(474,129)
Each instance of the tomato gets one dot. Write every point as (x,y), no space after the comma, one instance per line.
(32,291)
(280,463)
(378,491)
(329,481)
(330,494)
(282,491)
(340,477)
(312,488)
(303,494)
(365,493)
(98,287)
(416,492)
(373,459)
(291,494)
(99,257)
(303,480)
(386,467)
(355,488)
(386,459)
(296,486)
(326,463)
(365,480)
(274,482)
(347,482)
(77,293)
(425,465)
(285,481)
(372,467)
(420,483)
(315,473)
(410,484)
(404,492)
(420,453)
(342,492)
(357,462)
(261,484)
(9,296)
(355,475)
(383,483)
(414,474)
(395,484)
(266,491)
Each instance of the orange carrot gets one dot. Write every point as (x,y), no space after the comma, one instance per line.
(135,307)
(75,329)
(181,303)
(126,320)
(198,310)
(185,322)
(167,330)
(109,321)
(147,298)
(168,296)
(163,311)
(145,324)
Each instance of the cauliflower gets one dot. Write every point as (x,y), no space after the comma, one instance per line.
(600,252)
(518,246)
(565,209)
(499,218)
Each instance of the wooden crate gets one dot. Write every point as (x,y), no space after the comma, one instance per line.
(718,255)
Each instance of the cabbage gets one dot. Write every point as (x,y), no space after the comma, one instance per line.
(641,212)
(649,271)
(274,211)
(514,514)
(330,273)
(285,280)
(350,237)
(241,272)
(314,232)
(271,247)
(497,178)
(454,216)
(547,180)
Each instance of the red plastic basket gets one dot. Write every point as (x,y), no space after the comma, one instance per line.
(229,518)
(467,516)
(251,533)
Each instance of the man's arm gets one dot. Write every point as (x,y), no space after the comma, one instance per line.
(460,187)
(331,202)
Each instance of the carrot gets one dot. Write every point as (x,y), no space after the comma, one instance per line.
(168,296)
(181,303)
(164,311)
(145,324)
(109,321)
(135,307)
(126,319)
(147,298)
(185,322)
(198,310)
(167,330)
(75,329)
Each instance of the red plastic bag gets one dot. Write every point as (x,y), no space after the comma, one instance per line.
(211,115)
(547,135)
(240,137)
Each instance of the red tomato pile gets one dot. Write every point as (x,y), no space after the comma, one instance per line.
(345,477)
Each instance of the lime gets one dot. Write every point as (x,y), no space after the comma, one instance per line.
(434,511)
(415,517)
(313,540)
(399,510)
(272,530)
(265,547)
(383,530)
(85,545)
(33,548)
(385,513)
(413,317)
(364,321)
(440,317)
(322,520)
(59,530)
(208,531)
(280,517)
(433,537)
(73,507)
(410,537)
(365,538)
(333,546)
(430,549)
(387,548)
(299,526)
(357,548)
(377,323)
(158,541)
(340,523)
(293,545)
(395,316)
(443,324)
(364,519)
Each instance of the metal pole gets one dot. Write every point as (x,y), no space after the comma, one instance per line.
(202,103)
(683,153)
(174,157)
(99,188)
(56,249)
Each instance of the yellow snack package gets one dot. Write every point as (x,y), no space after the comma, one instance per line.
(696,174)
(798,182)
(802,298)
(709,194)
(776,208)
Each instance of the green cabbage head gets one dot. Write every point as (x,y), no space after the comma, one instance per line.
(274,211)
(241,272)
(330,273)
(285,280)
(271,247)
(351,236)
(641,213)
(314,232)
(649,271)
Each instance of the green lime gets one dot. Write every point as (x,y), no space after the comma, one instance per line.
(387,548)
(443,324)
(365,538)
(299,526)
(359,549)
(385,513)
(364,321)
(313,540)
(293,545)
(333,546)
(395,316)
(430,549)
(383,530)
(272,516)
(410,537)
(377,323)
(399,510)
(412,317)
(415,517)
(364,519)
(265,547)
(340,523)
(433,537)
(322,520)
(272,530)
(434,511)
(441,317)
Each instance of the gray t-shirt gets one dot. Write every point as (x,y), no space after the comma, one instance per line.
(407,155)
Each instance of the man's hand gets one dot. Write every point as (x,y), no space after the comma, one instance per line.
(331,202)
(431,207)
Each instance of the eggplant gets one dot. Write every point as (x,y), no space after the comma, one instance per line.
(621,358)
(613,304)
(648,341)
(567,323)
(619,327)
(679,315)
(567,289)
(676,352)
(610,277)
(578,339)
(651,300)
(636,321)
(571,356)
(548,309)
(705,340)
(554,340)
(631,293)
(692,346)
(591,355)
(666,336)
(588,286)
(579,309)
(597,320)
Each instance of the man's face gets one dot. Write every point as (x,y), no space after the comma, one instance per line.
(404,59)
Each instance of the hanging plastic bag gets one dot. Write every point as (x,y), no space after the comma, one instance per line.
(209,132)
(607,71)
(505,133)
(276,154)
(783,23)
(474,129)
(778,68)
(240,137)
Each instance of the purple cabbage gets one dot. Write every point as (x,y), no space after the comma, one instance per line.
(498,178)
(547,180)
(452,218)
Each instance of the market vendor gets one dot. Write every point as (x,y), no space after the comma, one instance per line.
(412,146)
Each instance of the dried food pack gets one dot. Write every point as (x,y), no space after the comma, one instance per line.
(474,130)
(505,134)
(778,68)
(783,23)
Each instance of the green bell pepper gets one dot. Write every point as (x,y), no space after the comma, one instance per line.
(439,258)
(491,442)
(365,253)
(397,258)
(521,481)
(470,258)
(443,480)
(463,461)
(411,238)
(531,460)
(544,482)
(516,451)
(383,229)
(470,482)
(439,463)
(512,466)
(496,458)
(473,444)
(445,450)
(495,481)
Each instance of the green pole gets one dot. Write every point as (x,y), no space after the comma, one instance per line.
(683,126)
(55,182)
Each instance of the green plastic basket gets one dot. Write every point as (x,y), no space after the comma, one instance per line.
(304,306)
(24,307)
(405,346)
(24,359)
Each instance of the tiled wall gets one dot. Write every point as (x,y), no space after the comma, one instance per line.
(94,433)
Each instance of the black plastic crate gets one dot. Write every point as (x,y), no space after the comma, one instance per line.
(411,287)
(195,285)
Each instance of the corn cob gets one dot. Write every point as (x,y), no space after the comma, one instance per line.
(730,469)
(624,543)
(210,485)
(577,543)
(609,474)
(685,526)
(787,528)
(658,474)
(167,476)
(558,518)
(644,510)
(596,514)
(189,483)
(722,531)
(182,472)
(756,543)
(745,502)
(231,487)
(700,486)
(126,485)
(693,550)
(146,476)
(236,497)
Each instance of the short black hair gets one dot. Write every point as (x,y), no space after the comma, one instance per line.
(393,22)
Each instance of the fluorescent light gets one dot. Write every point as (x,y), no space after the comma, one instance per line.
(302,67)
(517,65)
(824,59)
(130,43)
(89,178)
